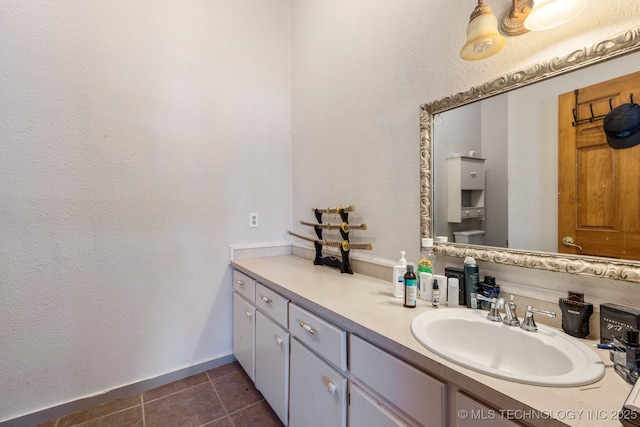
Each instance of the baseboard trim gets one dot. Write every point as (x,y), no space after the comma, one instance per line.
(91,401)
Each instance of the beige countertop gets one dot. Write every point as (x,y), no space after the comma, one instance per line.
(366,307)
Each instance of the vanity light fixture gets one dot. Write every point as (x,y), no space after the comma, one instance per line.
(548,14)
(538,15)
(483,38)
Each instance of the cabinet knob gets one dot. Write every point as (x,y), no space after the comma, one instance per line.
(240,282)
(266,299)
(332,388)
(279,341)
(308,328)
(473,174)
(248,315)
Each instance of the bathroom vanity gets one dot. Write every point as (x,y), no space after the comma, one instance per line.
(338,351)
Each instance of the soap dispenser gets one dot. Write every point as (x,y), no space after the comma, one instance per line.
(399,271)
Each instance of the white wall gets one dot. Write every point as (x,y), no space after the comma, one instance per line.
(360,71)
(136,137)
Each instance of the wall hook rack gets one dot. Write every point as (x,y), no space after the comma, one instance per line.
(593,117)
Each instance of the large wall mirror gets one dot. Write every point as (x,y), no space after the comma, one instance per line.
(510,125)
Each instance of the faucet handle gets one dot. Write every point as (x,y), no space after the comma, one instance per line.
(510,316)
(494,314)
(528,324)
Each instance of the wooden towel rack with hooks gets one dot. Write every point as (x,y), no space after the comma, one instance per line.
(593,117)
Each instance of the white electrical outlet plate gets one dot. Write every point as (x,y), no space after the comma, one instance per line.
(253,220)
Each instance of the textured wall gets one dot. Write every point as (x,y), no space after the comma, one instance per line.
(136,137)
(360,70)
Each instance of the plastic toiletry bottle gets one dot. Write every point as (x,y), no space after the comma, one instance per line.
(398,276)
(426,262)
(442,287)
(453,285)
(472,281)
(425,281)
(410,288)
(435,295)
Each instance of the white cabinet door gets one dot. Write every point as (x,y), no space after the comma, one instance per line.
(317,391)
(244,333)
(364,411)
(272,365)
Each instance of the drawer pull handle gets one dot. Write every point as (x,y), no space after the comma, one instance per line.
(248,315)
(279,341)
(308,328)
(332,388)
(240,282)
(266,299)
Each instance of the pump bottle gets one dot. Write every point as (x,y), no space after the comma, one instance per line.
(398,276)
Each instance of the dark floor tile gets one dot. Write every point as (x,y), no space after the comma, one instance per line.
(236,391)
(223,370)
(72,419)
(128,418)
(174,387)
(100,411)
(191,407)
(258,415)
(222,422)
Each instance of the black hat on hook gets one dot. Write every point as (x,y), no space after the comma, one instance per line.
(622,126)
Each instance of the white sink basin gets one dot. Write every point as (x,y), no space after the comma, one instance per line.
(548,357)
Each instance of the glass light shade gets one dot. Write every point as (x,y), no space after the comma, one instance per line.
(483,39)
(553,13)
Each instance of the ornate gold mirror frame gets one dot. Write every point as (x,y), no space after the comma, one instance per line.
(622,44)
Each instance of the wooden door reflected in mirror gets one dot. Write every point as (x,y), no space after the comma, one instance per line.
(598,186)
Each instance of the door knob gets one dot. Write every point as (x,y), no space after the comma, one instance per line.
(568,241)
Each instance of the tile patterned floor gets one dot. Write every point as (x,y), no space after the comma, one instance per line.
(221,397)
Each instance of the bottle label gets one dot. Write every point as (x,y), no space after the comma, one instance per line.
(425,266)
(435,299)
(474,300)
(410,292)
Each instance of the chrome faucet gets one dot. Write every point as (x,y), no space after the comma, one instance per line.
(510,316)
(528,324)
(496,305)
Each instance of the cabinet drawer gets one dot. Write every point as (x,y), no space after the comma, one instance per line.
(417,394)
(319,335)
(472,213)
(272,304)
(478,415)
(244,285)
(364,411)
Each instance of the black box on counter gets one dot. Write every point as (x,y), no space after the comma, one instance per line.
(459,274)
(615,320)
